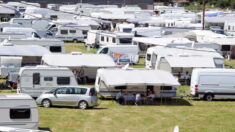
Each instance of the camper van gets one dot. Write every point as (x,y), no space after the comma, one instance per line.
(119,52)
(110,81)
(53,45)
(28,32)
(72,33)
(182,59)
(209,84)
(125,27)
(36,80)
(18,111)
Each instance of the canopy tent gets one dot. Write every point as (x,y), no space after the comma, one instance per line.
(23,50)
(122,77)
(190,62)
(78,60)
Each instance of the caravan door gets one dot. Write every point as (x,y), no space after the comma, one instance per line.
(36,85)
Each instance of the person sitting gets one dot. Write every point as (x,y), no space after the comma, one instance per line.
(120,97)
(151,96)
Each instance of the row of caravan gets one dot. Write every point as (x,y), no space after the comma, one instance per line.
(205,83)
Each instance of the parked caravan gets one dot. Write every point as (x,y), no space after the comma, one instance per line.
(229,28)
(4,36)
(182,59)
(121,52)
(28,32)
(18,111)
(110,81)
(209,84)
(92,38)
(31,23)
(84,66)
(72,33)
(9,64)
(53,45)
(36,80)
(125,27)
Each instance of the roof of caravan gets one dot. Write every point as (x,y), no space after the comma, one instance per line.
(120,77)
(4,10)
(211,70)
(185,51)
(161,41)
(80,60)
(14,96)
(23,50)
(192,61)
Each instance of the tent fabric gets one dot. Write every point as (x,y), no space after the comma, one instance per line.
(80,60)
(23,50)
(122,77)
(190,62)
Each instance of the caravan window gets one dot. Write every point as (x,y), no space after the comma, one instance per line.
(120,87)
(55,48)
(72,31)
(20,113)
(63,80)
(48,78)
(102,38)
(36,78)
(114,40)
(54,17)
(63,31)
(84,32)
(125,40)
(225,48)
(148,57)
(107,39)
(163,88)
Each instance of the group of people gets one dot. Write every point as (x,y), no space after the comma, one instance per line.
(137,98)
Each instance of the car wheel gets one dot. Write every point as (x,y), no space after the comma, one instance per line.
(75,41)
(83,105)
(46,103)
(208,97)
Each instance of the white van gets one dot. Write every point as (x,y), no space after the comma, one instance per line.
(126,51)
(36,80)
(53,45)
(72,33)
(213,83)
(18,111)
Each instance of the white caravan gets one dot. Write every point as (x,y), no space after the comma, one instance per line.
(18,111)
(31,23)
(92,38)
(9,64)
(11,129)
(213,83)
(182,59)
(11,35)
(125,27)
(229,28)
(72,33)
(110,81)
(119,52)
(36,80)
(53,45)
(28,32)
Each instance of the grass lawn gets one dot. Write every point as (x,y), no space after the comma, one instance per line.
(189,114)
(230,63)
(78,47)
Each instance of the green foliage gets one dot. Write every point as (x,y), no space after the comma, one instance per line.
(217,3)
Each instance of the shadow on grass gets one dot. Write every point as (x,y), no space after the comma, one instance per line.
(215,100)
(71,107)
(45,129)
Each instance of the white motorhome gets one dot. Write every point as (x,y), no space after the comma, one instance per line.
(53,45)
(36,80)
(28,32)
(110,81)
(229,28)
(182,59)
(129,52)
(210,84)
(9,64)
(18,111)
(72,33)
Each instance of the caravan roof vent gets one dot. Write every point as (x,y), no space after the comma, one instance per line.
(76,53)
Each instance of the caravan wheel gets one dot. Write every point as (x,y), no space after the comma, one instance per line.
(46,103)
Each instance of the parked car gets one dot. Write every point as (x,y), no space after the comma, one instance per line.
(83,97)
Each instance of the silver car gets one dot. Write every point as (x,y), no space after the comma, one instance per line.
(82,97)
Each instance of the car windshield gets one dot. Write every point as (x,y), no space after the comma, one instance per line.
(52,91)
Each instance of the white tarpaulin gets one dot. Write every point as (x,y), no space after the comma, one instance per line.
(23,50)
(191,62)
(121,77)
(79,60)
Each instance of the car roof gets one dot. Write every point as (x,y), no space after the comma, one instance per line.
(76,87)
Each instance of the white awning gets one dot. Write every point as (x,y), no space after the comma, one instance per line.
(121,77)
(191,62)
(80,60)
(23,50)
